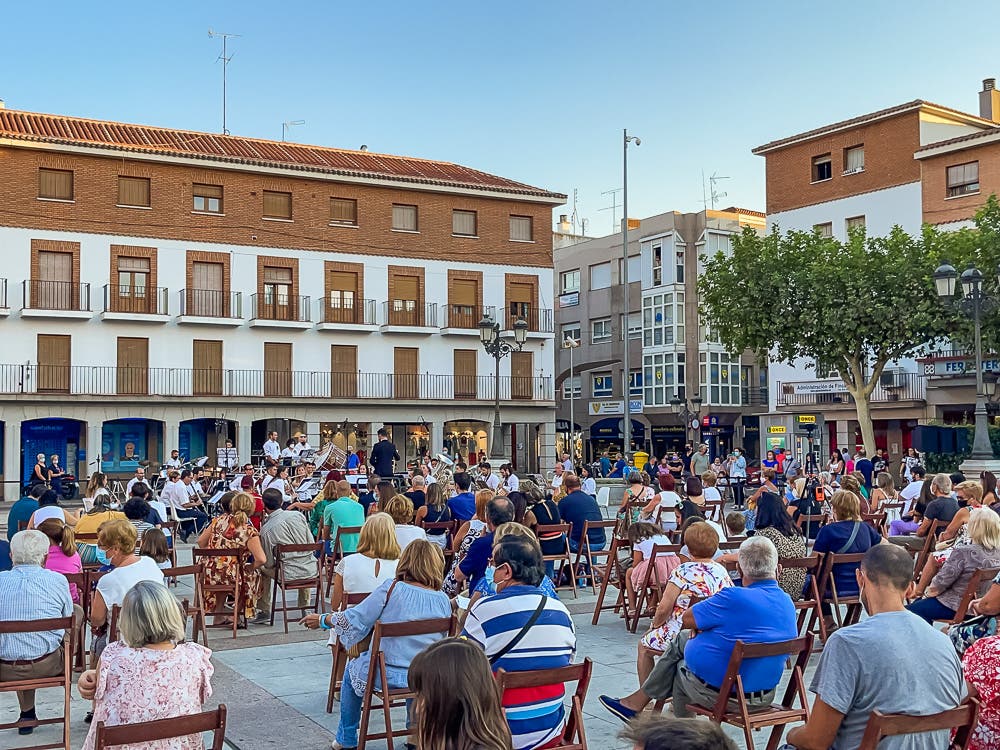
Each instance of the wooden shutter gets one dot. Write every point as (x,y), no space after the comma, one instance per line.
(521,370)
(133,191)
(133,365)
(206,296)
(277,275)
(277,205)
(343,371)
(464,292)
(406,306)
(405,372)
(520,304)
(56,184)
(206,376)
(343,211)
(54,289)
(465,373)
(54,357)
(208,191)
(277,369)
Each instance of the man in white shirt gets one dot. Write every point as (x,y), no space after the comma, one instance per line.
(425,472)
(174,462)
(139,478)
(301,445)
(227,457)
(486,475)
(243,482)
(557,478)
(175,495)
(567,463)
(510,480)
(912,491)
(272,451)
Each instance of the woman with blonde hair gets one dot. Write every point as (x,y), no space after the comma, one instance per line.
(884,492)
(96,485)
(400,507)
(942,596)
(969,495)
(469,532)
(233,531)
(374,562)
(327,496)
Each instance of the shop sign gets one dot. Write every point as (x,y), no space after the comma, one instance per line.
(710,420)
(570,299)
(606,408)
(635,406)
(777,429)
(958,366)
(818,386)
(807,419)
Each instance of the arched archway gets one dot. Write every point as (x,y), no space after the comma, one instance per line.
(466,439)
(65,438)
(204,436)
(129,443)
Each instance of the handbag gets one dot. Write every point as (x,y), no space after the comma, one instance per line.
(968,632)
(353,652)
(521,633)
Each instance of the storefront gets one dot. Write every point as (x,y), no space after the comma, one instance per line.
(717,431)
(413,441)
(466,440)
(127,444)
(65,438)
(199,438)
(568,441)
(751,436)
(667,439)
(346,436)
(607,435)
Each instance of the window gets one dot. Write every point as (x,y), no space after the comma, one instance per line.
(854,159)
(634,269)
(463,223)
(825,230)
(133,276)
(569,281)
(662,378)
(822,168)
(133,192)
(663,319)
(600,330)
(521,229)
(634,326)
(854,222)
(404,217)
(55,184)
(963,179)
(277,286)
(720,378)
(719,243)
(344,212)
(207,198)
(635,384)
(602,384)
(277,205)
(600,276)
(680,266)
(826,369)
(571,331)
(657,265)
(572,387)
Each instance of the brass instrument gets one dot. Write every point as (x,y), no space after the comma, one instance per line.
(444,471)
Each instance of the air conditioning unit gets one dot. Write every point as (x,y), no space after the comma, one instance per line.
(855,170)
(894,378)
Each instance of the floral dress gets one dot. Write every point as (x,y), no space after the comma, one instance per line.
(144,684)
(476,529)
(222,571)
(982,670)
(793,580)
(694,579)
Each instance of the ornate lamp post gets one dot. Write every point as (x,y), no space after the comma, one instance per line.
(686,410)
(571,344)
(498,348)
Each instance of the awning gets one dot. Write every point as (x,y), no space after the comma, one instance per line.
(611,429)
(667,432)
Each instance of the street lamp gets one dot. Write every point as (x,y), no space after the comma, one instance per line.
(974,302)
(498,348)
(627,423)
(686,410)
(571,343)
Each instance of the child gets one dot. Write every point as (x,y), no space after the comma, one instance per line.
(736,526)
(154,545)
(644,536)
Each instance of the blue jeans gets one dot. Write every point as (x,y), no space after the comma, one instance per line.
(350,711)
(574,545)
(931,609)
(200,520)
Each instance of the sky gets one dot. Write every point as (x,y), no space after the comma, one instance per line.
(535,91)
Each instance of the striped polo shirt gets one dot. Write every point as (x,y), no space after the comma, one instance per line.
(535,715)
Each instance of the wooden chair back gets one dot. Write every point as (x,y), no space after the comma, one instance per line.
(565,556)
(574,735)
(962,719)
(234,589)
(929,541)
(810,604)
(876,520)
(981,579)
(714,510)
(808,523)
(145,733)
(614,574)
(590,559)
(649,591)
(828,586)
(450,528)
(171,526)
(283,584)
(339,653)
(195,604)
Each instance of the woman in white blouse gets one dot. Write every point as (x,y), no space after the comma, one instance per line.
(374,562)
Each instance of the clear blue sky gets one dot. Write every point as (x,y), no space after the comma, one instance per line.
(534,90)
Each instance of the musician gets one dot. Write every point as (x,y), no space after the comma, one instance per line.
(384,455)
(243,482)
(288,452)
(227,458)
(302,445)
(557,478)
(427,475)
(353,459)
(269,479)
(272,451)
(176,495)
(487,476)
(510,480)
(174,462)
(567,463)
(139,478)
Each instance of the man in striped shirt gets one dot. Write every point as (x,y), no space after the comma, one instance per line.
(521,629)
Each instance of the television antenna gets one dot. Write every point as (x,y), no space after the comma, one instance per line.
(225,57)
(709,199)
(287,125)
(613,208)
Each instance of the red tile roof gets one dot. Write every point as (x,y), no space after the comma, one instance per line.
(745,211)
(962,139)
(78,131)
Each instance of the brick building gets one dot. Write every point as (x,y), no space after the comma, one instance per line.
(164,288)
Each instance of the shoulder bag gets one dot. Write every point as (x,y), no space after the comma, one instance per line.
(521,633)
(353,652)
(850,539)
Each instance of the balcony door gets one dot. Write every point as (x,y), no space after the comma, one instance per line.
(405,370)
(54,286)
(343,371)
(463,312)
(277,301)
(406,308)
(133,366)
(132,293)
(277,370)
(206,375)
(342,304)
(521,371)
(520,304)
(206,297)
(465,373)
(54,357)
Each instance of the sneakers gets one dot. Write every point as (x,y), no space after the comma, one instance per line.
(29,716)
(337,746)
(262,618)
(616,707)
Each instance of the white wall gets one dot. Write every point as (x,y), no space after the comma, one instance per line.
(882,210)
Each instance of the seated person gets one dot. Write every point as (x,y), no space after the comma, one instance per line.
(576,508)
(657,732)
(499,511)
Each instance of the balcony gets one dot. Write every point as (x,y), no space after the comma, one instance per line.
(347,316)
(108,380)
(211,307)
(4,306)
(279,311)
(893,387)
(56,299)
(463,320)
(539,323)
(407,316)
(137,304)
(753,396)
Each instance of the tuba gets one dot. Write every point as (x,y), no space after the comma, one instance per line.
(444,471)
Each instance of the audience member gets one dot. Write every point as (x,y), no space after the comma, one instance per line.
(463,505)
(655,732)
(473,566)
(418,492)
(283,527)
(48,507)
(343,512)
(575,509)
(468,533)
(154,546)
(22,510)
(643,536)
(327,496)
(434,510)
(774,523)
(911,491)
(401,509)
(233,531)
(374,562)
(62,556)
(98,514)
(981,666)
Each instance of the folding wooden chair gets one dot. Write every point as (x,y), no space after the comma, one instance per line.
(64,680)
(88,539)
(590,558)
(827,587)
(144,733)
(284,585)
(981,580)
(877,521)
(340,655)
(807,524)
(714,511)
(80,647)
(223,590)
(390,697)
(776,716)
(564,557)
(732,546)
(194,607)
(649,593)
(925,552)
(171,526)
(574,735)
(962,719)
(811,602)
(450,528)
(614,574)
(336,553)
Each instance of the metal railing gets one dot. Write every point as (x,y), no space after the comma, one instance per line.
(109,380)
(3,293)
(894,386)
(753,396)
(211,303)
(293,308)
(538,320)
(145,300)
(352,312)
(409,313)
(465,316)
(55,295)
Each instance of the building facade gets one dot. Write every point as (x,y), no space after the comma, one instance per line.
(671,355)
(168,289)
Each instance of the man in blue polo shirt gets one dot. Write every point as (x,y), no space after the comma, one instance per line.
(463,505)
(691,669)
(473,567)
(22,509)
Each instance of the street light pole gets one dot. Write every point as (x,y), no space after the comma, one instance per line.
(498,348)
(571,344)
(686,409)
(627,422)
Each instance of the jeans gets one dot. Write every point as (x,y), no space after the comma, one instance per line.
(574,545)
(931,609)
(200,520)
(350,711)
(737,484)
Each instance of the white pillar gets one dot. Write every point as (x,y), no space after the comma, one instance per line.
(436,437)
(243,447)
(95,441)
(11,487)
(546,445)
(313,436)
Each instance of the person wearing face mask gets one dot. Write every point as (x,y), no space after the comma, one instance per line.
(860,669)
(521,629)
(737,476)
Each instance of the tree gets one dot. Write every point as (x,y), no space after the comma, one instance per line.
(856,305)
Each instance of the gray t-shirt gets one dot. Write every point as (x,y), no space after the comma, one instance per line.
(893,662)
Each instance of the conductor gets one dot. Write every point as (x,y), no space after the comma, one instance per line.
(384,455)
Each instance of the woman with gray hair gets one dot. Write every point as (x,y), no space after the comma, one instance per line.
(150,673)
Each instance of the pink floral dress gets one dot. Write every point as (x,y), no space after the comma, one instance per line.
(694,579)
(142,684)
(981,663)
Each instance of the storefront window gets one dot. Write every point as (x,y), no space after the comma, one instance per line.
(720,378)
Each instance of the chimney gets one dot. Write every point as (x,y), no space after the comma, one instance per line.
(564,224)
(2,105)
(989,101)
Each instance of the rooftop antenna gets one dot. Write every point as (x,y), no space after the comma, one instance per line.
(613,208)
(289,124)
(225,64)
(573,216)
(713,194)
(583,227)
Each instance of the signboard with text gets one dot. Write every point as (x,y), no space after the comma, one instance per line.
(958,367)
(615,408)
(818,386)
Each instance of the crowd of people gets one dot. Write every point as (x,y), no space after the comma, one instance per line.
(459,548)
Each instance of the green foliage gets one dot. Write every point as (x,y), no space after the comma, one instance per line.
(947,463)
